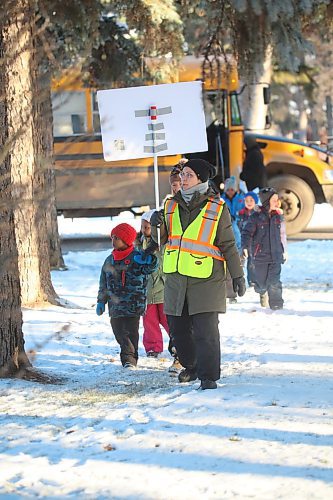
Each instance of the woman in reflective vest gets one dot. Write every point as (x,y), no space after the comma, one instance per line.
(199,244)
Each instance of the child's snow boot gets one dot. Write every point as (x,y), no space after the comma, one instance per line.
(175,368)
(264,299)
(152,354)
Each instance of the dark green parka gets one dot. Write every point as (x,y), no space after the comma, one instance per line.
(202,294)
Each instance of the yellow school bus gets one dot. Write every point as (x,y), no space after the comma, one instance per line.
(86,185)
(302,174)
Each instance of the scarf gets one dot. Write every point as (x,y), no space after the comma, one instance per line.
(122,254)
(200,188)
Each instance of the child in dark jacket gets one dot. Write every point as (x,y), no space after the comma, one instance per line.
(123,285)
(264,238)
(250,202)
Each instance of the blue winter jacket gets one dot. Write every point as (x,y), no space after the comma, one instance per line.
(235,205)
(123,284)
(262,236)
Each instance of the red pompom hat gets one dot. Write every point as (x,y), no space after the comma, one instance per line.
(125,232)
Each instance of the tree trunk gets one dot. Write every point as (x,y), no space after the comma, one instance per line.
(56,258)
(26,173)
(253,101)
(12,354)
(47,164)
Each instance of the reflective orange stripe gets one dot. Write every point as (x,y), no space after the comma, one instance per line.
(219,208)
(204,221)
(170,210)
(197,252)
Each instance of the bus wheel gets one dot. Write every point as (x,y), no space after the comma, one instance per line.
(297,201)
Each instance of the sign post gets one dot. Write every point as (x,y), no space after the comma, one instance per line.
(153,117)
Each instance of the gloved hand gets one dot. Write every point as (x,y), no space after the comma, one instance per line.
(284,257)
(151,248)
(238,284)
(157,218)
(100,308)
(245,253)
(143,258)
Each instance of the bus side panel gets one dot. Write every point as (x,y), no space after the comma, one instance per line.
(107,188)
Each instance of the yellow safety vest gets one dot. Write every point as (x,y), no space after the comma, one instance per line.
(191,252)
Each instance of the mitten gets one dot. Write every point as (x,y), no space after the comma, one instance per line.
(100,308)
(157,218)
(238,284)
(143,258)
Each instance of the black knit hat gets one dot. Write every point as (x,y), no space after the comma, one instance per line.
(202,168)
(266,194)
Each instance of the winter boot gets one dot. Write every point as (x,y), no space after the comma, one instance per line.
(175,368)
(152,354)
(264,299)
(129,366)
(208,384)
(187,375)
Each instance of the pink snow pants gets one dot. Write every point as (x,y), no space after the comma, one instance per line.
(152,334)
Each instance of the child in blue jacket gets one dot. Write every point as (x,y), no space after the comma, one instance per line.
(123,286)
(235,202)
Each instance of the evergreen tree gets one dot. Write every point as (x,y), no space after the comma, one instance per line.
(253,32)
(37,39)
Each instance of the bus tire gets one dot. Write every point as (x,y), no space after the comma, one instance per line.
(297,200)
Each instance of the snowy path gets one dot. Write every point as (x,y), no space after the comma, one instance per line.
(267,431)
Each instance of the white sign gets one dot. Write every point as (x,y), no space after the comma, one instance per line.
(137,122)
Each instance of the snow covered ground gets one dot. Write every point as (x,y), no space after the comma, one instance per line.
(77,228)
(265,433)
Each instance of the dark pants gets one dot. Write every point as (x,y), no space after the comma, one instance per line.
(172,346)
(197,341)
(126,331)
(250,271)
(267,279)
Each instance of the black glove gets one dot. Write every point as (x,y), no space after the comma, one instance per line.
(151,248)
(238,284)
(157,218)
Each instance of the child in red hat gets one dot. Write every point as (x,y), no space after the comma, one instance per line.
(123,286)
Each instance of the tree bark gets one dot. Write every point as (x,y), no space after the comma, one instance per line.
(253,101)
(26,173)
(12,354)
(47,164)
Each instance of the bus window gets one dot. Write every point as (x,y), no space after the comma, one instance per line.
(96,120)
(235,111)
(69,113)
(216,108)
